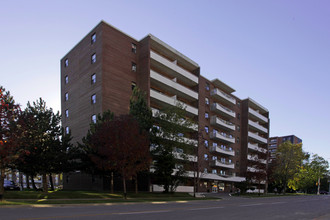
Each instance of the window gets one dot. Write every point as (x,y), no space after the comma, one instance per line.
(67,130)
(206,143)
(66,79)
(238,128)
(214,157)
(93,99)
(205,171)
(93,78)
(133,85)
(207,86)
(207,101)
(94,119)
(206,157)
(237,139)
(215,144)
(66,97)
(67,113)
(229,161)
(93,38)
(133,67)
(238,104)
(206,129)
(206,115)
(214,171)
(238,115)
(237,164)
(93,58)
(133,48)
(223,160)
(66,63)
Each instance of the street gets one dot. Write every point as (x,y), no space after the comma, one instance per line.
(295,207)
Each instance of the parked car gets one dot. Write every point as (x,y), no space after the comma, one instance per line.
(10,185)
(323,192)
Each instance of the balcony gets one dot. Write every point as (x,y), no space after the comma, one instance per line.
(257,127)
(193,126)
(163,100)
(215,121)
(222,110)
(182,156)
(257,138)
(218,163)
(172,86)
(177,138)
(255,147)
(222,151)
(222,96)
(257,116)
(222,137)
(255,158)
(173,69)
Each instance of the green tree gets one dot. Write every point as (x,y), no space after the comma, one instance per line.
(47,153)
(289,158)
(319,167)
(171,145)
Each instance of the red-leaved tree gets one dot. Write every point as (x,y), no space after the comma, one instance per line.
(120,145)
(9,135)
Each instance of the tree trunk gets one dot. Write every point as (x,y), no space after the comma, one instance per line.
(124,185)
(44,183)
(27,181)
(51,182)
(21,180)
(33,183)
(2,178)
(136,185)
(318,185)
(111,182)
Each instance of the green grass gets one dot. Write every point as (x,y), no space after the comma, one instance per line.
(83,197)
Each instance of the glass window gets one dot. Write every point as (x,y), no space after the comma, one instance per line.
(205,171)
(66,79)
(238,128)
(215,144)
(133,67)
(66,97)
(207,86)
(133,85)
(206,115)
(94,119)
(133,48)
(238,115)
(207,101)
(66,63)
(67,130)
(237,139)
(93,38)
(206,143)
(214,171)
(93,57)
(93,99)
(206,157)
(214,157)
(93,78)
(67,113)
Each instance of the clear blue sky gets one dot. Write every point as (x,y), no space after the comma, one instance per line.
(276,52)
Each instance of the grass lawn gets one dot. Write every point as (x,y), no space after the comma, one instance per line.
(81,197)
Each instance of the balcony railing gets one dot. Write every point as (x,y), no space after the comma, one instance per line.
(255,158)
(255,147)
(257,138)
(188,157)
(173,69)
(222,123)
(217,93)
(222,136)
(258,116)
(218,108)
(173,86)
(172,101)
(218,163)
(222,151)
(258,127)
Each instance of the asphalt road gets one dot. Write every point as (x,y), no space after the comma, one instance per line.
(296,207)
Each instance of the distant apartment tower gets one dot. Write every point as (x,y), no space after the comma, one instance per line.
(274,142)
(100,72)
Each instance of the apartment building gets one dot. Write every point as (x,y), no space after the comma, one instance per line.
(100,71)
(274,142)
